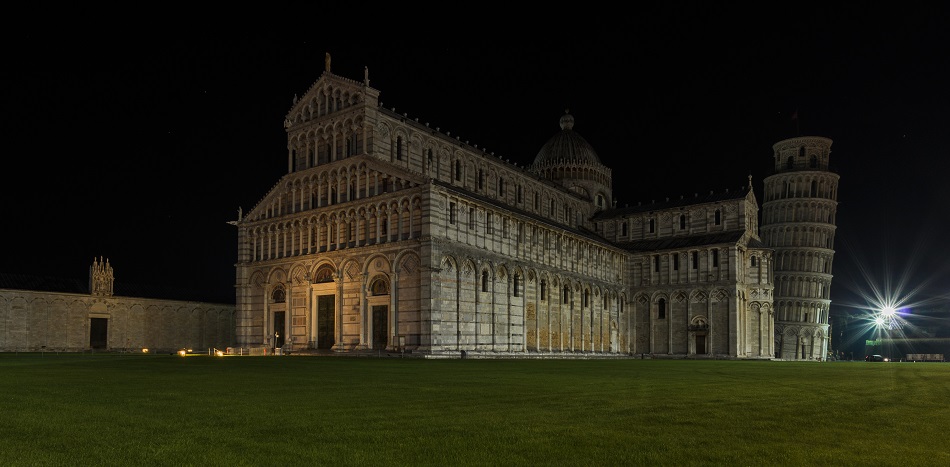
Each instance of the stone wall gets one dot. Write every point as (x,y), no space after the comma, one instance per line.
(32,321)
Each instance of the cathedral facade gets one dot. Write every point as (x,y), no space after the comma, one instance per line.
(386,234)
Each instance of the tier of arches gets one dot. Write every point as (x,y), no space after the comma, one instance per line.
(803,286)
(803,261)
(821,185)
(701,322)
(522,238)
(563,171)
(540,310)
(325,99)
(797,236)
(796,342)
(801,311)
(356,285)
(800,211)
(395,219)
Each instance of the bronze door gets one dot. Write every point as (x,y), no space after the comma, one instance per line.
(279,333)
(325,321)
(379,326)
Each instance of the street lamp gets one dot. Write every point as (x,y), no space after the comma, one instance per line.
(276,336)
(886,321)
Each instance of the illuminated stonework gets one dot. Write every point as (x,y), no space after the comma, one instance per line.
(428,244)
(798,223)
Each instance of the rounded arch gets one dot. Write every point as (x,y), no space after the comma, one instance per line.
(379,284)
(377,263)
(449,263)
(277,274)
(324,271)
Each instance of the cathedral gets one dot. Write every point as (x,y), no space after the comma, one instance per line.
(388,235)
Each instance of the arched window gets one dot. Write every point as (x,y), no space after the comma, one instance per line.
(623,229)
(567,295)
(458,171)
(682,221)
(484,281)
(517,285)
(718,217)
(399,148)
(752,263)
(279,296)
(323,275)
(652,225)
(379,286)
(544,289)
(790,162)
(661,309)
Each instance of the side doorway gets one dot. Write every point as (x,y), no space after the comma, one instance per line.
(380,322)
(280,334)
(325,321)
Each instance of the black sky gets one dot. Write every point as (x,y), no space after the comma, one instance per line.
(139,145)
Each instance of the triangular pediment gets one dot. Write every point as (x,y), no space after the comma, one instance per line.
(331,93)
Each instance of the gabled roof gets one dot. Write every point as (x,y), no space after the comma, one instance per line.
(336,81)
(675,203)
(675,243)
(593,236)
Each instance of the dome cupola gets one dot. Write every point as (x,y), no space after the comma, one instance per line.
(569,160)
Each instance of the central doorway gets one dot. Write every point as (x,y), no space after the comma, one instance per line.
(98,333)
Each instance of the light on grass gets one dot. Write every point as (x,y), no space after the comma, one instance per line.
(144,350)
(182,352)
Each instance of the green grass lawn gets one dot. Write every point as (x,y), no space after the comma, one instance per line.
(143,410)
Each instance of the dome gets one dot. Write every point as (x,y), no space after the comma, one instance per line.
(569,160)
(565,147)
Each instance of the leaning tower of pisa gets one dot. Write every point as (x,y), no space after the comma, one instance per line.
(798,223)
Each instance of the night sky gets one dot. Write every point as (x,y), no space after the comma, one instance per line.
(139,145)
